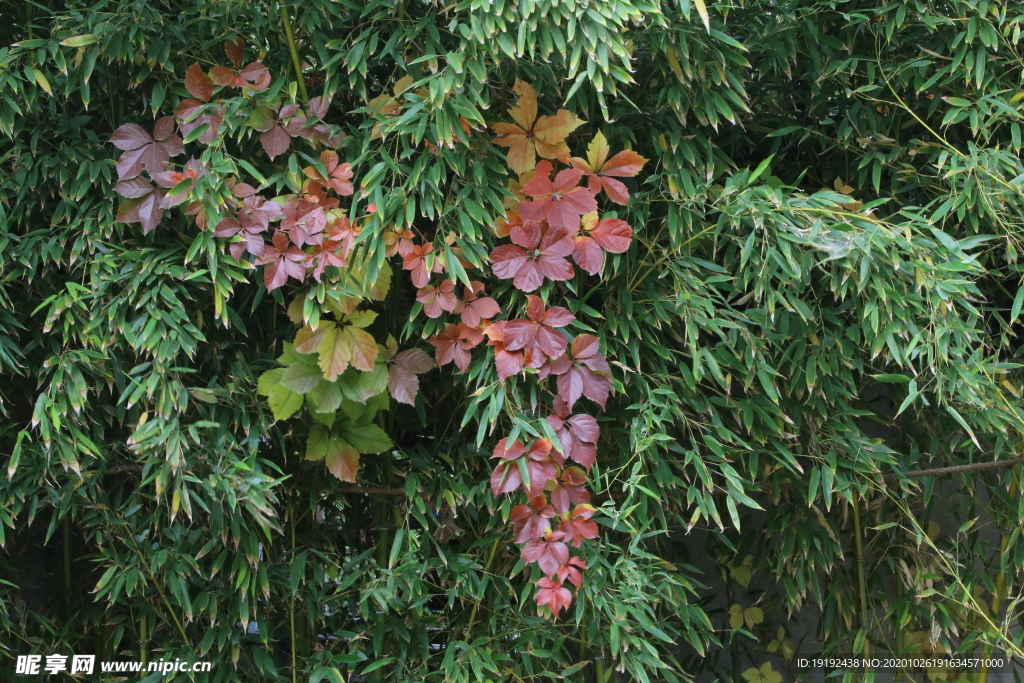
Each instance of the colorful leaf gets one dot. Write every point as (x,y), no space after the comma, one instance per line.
(530,136)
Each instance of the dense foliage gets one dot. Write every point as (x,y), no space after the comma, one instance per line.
(620,329)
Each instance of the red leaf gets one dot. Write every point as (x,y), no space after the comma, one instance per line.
(234,50)
(570,490)
(338,175)
(133,188)
(549,552)
(473,308)
(570,386)
(578,436)
(541,472)
(531,521)
(527,235)
(275,141)
(130,136)
(579,527)
(257,75)
(454,343)
(283,261)
(589,374)
(190,118)
(615,189)
(530,268)
(552,594)
(402,381)
(588,254)
(507,260)
(506,478)
(613,235)
(571,570)
(584,428)
(507,363)
(198,83)
(560,202)
(304,221)
(415,260)
(586,348)
(145,152)
(437,300)
(508,452)
(225,77)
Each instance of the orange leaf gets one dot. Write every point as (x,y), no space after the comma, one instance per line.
(343,462)
(529,136)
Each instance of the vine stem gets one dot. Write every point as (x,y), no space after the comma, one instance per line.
(286,22)
(1000,592)
(291,598)
(862,587)
(476,605)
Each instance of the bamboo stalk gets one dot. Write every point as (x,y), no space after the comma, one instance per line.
(286,22)
(862,586)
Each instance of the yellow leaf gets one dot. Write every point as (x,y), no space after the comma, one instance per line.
(362,348)
(335,352)
(766,674)
(361,318)
(530,136)
(402,85)
(308,340)
(295,309)
(41,80)
(597,152)
(742,575)
(702,10)
(673,62)
(739,615)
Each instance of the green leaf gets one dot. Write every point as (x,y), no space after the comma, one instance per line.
(768,385)
(325,397)
(378,664)
(367,438)
(892,378)
(1018,302)
(784,131)
(963,423)
(374,382)
(301,377)
(326,673)
(80,41)
(318,443)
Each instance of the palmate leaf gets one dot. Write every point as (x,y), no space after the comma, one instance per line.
(334,352)
(600,168)
(530,136)
(339,456)
(282,400)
